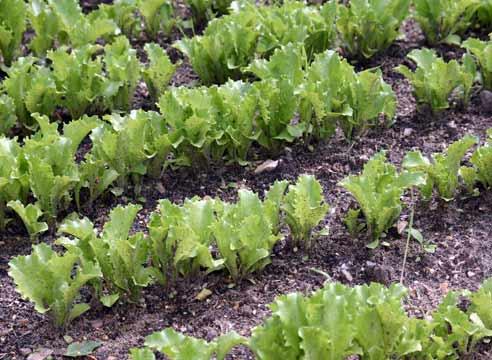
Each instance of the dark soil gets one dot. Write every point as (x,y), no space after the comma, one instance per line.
(460,229)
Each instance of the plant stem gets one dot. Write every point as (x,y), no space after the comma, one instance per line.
(407,245)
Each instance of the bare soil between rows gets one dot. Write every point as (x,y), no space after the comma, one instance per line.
(461,230)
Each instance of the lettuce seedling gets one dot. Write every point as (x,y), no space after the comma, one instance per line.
(14,183)
(444,20)
(206,10)
(29,215)
(334,94)
(278,101)
(13,23)
(32,89)
(482,162)
(159,72)
(244,235)
(49,156)
(294,22)
(78,78)
(123,72)
(122,257)
(304,209)
(8,117)
(157,15)
(442,170)
(210,123)
(178,346)
(367,27)
(64,22)
(181,237)
(129,146)
(482,51)
(436,82)
(378,190)
(53,282)
(227,44)
(122,12)
(483,15)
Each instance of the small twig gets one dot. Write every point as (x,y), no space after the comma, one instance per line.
(407,245)
(321,272)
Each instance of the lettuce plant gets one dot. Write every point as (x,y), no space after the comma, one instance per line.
(482,162)
(286,63)
(280,76)
(123,72)
(49,156)
(159,72)
(436,82)
(378,190)
(14,183)
(45,23)
(234,106)
(231,42)
(294,22)
(181,237)
(128,146)
(178,346)
(277,105)
(481,301)
(53,282)
(484,14)
(8,117)
(190,117)
(157,15)
(368,321)
(122,257)
(244,235)
(78,77)
(226,45)
(441,171)
(482,51)
(304,209)
(122,12)
(272,204)
(201,10)
(334,94)
(444,20)
(455,332)
(12,26)
(32,90)
(367,27)
(481,169)
(30,215)
(78,29)
(64,22)
(95,176)
(210,123)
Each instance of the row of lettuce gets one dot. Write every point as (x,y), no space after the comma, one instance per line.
(98,79)
(204,235)
(199,236)
(53,23)
(337,322)
(199,125)
(323,94)
(95,82)
(360,29)
(89,79)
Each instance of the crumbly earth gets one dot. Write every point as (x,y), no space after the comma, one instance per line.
(460,229)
